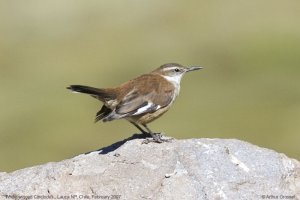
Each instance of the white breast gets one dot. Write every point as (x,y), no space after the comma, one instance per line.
(175,80)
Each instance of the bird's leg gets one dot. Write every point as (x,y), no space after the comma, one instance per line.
(157,137)
(140,128)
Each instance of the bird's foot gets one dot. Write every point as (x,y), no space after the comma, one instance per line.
(157,138)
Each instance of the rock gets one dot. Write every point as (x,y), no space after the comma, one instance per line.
(181,169)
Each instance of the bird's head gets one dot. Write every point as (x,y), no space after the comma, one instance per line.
(174,72)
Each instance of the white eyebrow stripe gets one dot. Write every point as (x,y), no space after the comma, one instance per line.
(169,68)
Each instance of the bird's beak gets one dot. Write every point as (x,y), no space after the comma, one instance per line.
(193,68)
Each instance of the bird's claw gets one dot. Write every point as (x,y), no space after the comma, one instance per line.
(157,138)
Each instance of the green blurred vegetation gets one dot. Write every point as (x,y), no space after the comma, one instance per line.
(249,89)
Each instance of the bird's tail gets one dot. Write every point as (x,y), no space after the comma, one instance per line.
(101,94)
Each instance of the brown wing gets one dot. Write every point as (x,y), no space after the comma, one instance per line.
(151,93)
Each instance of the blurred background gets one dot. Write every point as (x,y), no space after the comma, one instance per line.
(249,89)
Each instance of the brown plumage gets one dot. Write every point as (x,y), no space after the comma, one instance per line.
(140,100)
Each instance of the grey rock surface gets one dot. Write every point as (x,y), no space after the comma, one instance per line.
(181,169)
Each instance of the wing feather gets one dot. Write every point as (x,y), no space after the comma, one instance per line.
(136,104)
(145,97)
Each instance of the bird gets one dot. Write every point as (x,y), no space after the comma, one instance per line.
(140,100)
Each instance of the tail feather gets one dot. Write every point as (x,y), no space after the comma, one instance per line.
(101,94)
(102,113)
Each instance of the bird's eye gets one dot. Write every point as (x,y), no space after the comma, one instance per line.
(177,70)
